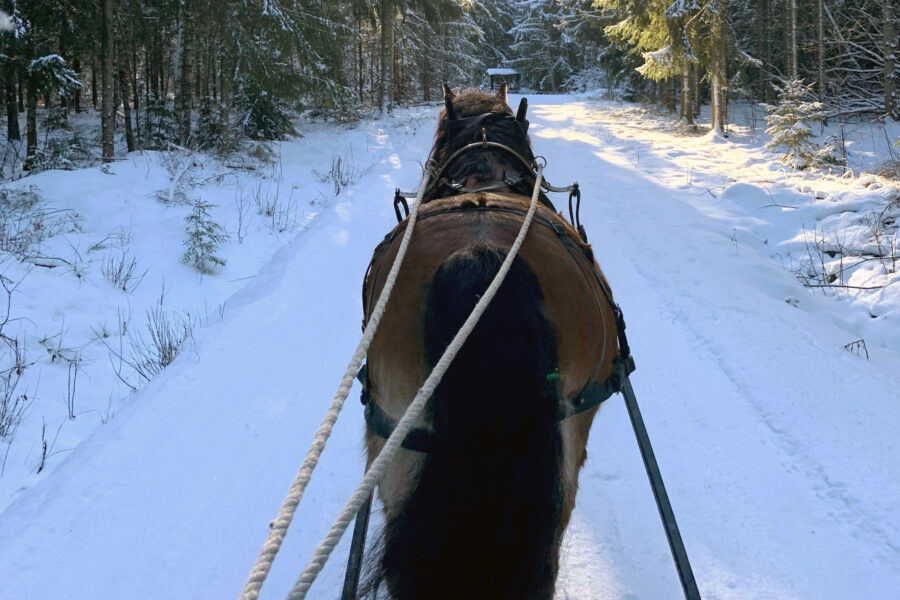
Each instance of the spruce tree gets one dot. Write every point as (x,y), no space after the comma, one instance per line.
(789,126)
(204,236)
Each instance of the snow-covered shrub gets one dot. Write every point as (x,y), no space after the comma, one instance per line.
(67,153)
(280,213)
(262,154)
(204,236)
(57,118)
(262,115)
(590,79)
(167,331)
(13,363)
(120,269)
(24,225)
(157,126)
(343,172)
(179,163)
(789,127)
(213,134)
(12,404)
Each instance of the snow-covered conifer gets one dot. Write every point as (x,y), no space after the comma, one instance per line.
(789,126)
(204,235)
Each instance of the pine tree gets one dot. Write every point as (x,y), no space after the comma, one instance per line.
(204,236)
(789,126)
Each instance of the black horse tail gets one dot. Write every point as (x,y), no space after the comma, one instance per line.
(483,520)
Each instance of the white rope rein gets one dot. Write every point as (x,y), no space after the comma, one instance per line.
(278,528)
(382,461)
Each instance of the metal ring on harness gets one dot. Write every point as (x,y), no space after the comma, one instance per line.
(575,218)
(399,199)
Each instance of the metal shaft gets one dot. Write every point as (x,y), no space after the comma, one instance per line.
(676,545)
(357,547)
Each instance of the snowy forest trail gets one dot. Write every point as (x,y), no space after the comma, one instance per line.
(777,445)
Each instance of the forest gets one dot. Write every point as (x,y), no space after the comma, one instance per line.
(191,192)
(209,74)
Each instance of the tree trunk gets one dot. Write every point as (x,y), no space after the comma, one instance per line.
(426,65)
(397,65)
(687,104)
(718,76)
(668,94)
(360,66)
(790,8)
(31,98)
(136,96)
(820,48)
(695,90)
(164,58)
(12,114)
(765,46)
(20,76)
(76,66)
(185,91)
(890,58)
(226,83)
(107,113)
(123,93)
(387,55)
(94,86)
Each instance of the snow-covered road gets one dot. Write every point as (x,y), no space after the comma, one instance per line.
(778,446)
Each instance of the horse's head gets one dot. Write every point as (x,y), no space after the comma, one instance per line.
(472,102)
(473,116)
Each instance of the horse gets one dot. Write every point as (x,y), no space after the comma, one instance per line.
(477,501)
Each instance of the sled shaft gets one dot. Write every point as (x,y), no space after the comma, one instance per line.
(676,545)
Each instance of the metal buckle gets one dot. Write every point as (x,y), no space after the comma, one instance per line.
(512,178)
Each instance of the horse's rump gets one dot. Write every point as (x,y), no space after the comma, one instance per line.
(550,332)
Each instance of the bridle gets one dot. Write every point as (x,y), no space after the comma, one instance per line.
(456,126)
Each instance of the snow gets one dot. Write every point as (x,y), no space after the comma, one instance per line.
(778,445)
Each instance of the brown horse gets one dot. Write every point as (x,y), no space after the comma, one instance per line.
(477,501)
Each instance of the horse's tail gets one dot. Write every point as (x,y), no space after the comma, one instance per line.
(484,519)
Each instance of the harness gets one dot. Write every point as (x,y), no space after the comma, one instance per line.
(594,391)
(591,395)
(476,128)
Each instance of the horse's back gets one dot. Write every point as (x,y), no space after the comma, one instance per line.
(572,285)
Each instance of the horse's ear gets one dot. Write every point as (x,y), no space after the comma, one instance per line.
(523,109)
(448,93)
(501,93)
(448,101)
